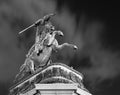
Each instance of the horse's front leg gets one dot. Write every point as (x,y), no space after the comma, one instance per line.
(52,36)
(60,33)
(64,45)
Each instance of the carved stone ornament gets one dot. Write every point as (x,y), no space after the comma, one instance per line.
(53,73)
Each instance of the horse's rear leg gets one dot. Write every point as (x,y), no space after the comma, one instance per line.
(66,44)
(31,66)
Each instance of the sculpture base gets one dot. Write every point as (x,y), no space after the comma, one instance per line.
(51,74)
(56,89)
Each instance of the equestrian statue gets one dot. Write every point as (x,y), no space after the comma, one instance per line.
(39,55)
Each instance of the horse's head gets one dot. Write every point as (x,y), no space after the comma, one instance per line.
(50,27)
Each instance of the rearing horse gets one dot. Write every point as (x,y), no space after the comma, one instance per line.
(40,53)
(42,56)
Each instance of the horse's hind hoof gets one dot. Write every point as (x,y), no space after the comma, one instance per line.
(75,47)
(32,72)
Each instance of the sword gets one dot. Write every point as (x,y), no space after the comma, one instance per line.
(38,22)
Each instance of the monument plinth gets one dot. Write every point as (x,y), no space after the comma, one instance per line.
(39,75)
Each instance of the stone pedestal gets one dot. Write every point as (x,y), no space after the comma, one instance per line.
(54,79)
(56,89)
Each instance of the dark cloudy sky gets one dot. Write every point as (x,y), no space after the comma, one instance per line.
(92,26)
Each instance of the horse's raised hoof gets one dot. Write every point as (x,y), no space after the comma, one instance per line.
(75,47)
(61,33)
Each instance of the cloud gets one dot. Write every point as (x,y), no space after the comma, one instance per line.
(87,35)
(105,63)
(10,55)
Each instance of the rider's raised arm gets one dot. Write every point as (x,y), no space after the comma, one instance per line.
(37,34)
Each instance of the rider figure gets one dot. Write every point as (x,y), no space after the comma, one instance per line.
(42,33)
